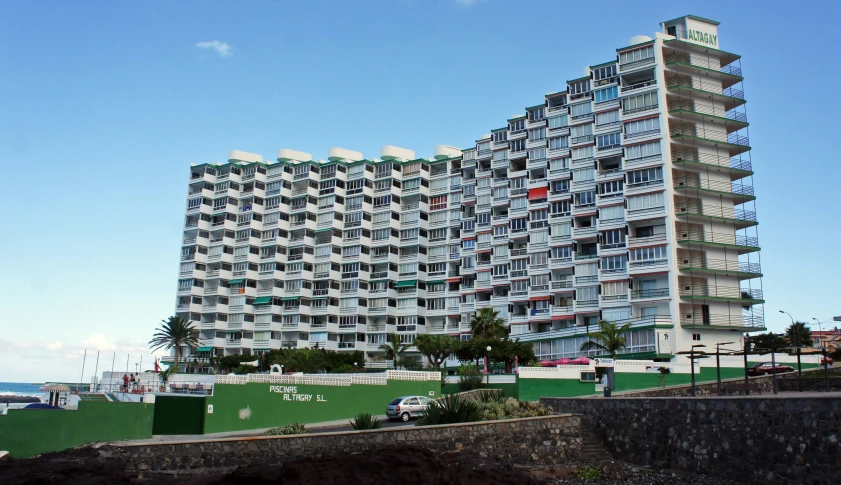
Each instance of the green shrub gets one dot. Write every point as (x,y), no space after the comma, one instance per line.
(589,473)
(469,378)
(491,395)
(245,369)
(511,409)
(294,428)
(451,409)
(365,421)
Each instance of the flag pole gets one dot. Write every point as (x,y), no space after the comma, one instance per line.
(82,377)
(95,371)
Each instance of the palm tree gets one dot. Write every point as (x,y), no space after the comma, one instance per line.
(394,349)
(487,324)
(799,335)
(609,339)
(175,332)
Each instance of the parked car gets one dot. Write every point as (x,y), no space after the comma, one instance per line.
(824,362)
(407,407)
(764,368)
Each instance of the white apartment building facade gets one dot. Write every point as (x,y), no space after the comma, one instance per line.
(625,197)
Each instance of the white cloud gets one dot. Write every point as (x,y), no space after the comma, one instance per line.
(223,49)
(468,3)
(41,361)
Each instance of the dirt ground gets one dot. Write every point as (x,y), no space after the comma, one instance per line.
(399,466)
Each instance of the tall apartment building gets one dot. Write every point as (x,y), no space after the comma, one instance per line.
(626,197)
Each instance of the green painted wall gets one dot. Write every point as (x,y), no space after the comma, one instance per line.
(533,389)
(510,390)
(29,432)
(179,414)
(254,406)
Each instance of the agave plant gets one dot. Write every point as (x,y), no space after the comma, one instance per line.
(365,421)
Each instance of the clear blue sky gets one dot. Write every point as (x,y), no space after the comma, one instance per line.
(103,105)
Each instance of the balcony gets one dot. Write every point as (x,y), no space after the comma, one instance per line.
(690,64)
(646,241)
(747,322)
(740,217)
(654,293)
(724,293)
(730,97)
(640,85)
(562,285)
(736,166)
(694,135)
(739,193)
(720,266)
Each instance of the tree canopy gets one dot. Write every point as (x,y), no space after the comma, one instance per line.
(175,332)
(610,338)
(436,348)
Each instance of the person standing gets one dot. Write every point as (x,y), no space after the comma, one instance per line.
(125,382)
(133,383)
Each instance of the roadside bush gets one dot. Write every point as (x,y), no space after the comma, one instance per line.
(365,421)
(511,409)
(294,428)
(469,378)
(491,395)
(450,409)
(589,473)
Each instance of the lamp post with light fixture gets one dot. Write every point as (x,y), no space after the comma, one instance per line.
(797,349)
(718,363)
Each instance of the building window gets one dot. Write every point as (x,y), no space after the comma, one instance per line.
(537,134)
(696,337)
(643,151)
(646,201)
(517,145)
(636,55)
(500,136)
(606,94)
(559,121)
(558,142)
(642,127)
(537,114)
(516,126)
(611,140)
(580,110)
(646,176)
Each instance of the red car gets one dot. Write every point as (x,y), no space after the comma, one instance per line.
(828,359)
(764,368)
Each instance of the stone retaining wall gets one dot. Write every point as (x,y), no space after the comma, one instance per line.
(812,383)
(755,439)
(706,389)
(541,440)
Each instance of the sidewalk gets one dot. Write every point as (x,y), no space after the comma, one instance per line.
(196,438)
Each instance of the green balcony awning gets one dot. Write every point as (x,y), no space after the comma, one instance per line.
(324,230)
(204,349)
(287,298)
(436,282)
(262,300)
(236,281)
(403,284)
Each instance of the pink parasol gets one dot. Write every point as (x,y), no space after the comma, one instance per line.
(580,360)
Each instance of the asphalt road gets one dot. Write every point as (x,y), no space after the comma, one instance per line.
(385,424)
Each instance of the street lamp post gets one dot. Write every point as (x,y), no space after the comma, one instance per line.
(718,363)
(797,349)
(692,365)
(825,360)
(487,359)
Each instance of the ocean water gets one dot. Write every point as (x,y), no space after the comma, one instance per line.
(20,389)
